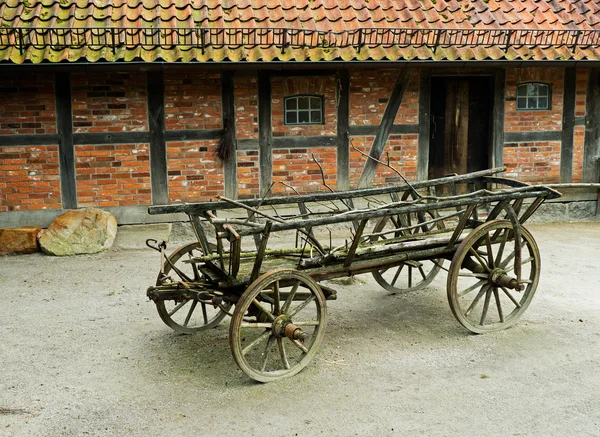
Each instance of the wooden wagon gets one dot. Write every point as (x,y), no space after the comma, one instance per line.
(263,261)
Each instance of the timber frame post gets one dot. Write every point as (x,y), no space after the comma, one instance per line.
(591,150)
(568,125)
(497,152)
(157,127)
(66,146)
(228,103)
(424,124)
(265,132)
(343,132)
(385,127)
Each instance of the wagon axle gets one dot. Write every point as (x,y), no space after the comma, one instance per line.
(499,278)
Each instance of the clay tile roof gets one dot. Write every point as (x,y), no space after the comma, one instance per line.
(297,30)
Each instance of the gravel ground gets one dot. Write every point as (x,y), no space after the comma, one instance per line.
(84,353)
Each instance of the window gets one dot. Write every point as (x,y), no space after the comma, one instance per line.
(533,96)
(303,110)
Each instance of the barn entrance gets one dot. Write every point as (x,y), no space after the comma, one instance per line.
(461,122)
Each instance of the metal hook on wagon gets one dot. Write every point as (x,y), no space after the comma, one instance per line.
(154,244)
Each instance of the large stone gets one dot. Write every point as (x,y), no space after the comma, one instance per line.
(89,230)
(19,240)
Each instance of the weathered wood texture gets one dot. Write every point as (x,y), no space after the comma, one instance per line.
(591,152)
(158,148)
(568,125)
(424,124)
(385,126)
(497,154)
(230,164)
(66,147)
(343,132)
(265,131)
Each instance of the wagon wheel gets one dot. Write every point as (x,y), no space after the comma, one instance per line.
(409,275)
(483,290)
(187,315)
(278,325)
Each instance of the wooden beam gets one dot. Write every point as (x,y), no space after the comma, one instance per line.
(364,130)
(385,126)
(591,149)
(265,132)
(343,134)
(568,125)
(228,102)
(158,148)
(529,137)
(111,137)
(28,140)
(498,138)
(66,147)
(424,124)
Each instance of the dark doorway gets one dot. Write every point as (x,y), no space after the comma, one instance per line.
(461,122)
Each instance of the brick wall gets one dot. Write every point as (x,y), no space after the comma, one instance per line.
(248,174)
(193,100)
(297,168)
(533,161)
(370,91)
(113,175)
(290,86)
(109,102)
(246,106)
(29,178)
(27,104)
(195,173)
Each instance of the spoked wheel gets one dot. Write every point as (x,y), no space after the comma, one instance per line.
(484,292)
(187,315)
(410,275)
(278,325)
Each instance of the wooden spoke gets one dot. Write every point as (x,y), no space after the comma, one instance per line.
(276,296)
(204,314)
(263,309)
(479,258)
(178,307)
(501,248)
(300,346)
(307,323)
(256,325)
(282,353)
(510,296)
(265,356)
(471,288)
(490,255)
(290,298)
(260,339)
(486,305)
(190,312)
(476,300)
(397,275)
(302,305)
(498,305)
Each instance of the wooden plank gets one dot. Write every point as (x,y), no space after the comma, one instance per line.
(111,138)
(194,134)
(228,104)
(568,125)
(28,140)
(371,130)
(591,149)
(343,134)
(530,137)
(66,147)
(265,132)
(158,148)
(304,142)
(498,139)
(385,127)
(424,124)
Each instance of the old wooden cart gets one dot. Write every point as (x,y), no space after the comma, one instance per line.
(270,284)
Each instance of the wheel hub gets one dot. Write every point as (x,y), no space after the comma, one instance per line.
(283,327)
(499,278)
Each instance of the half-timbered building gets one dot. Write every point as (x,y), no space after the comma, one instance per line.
(122,104)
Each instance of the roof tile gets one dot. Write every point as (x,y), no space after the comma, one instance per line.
(329,16)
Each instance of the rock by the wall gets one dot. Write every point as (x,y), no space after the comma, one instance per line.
(88,230)
(19,240)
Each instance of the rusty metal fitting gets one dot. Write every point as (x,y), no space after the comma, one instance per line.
(294,333)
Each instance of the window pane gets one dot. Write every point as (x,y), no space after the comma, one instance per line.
(543,103)
(303,117)
(303,102)
(521,91)
(290,103)
(315,103)
(291,118)
(531,103)
(315,116)
(522,103)
(542,90)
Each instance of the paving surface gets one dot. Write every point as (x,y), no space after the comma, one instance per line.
(83,353)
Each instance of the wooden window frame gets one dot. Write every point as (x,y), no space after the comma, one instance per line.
(297,111)
(529,98)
